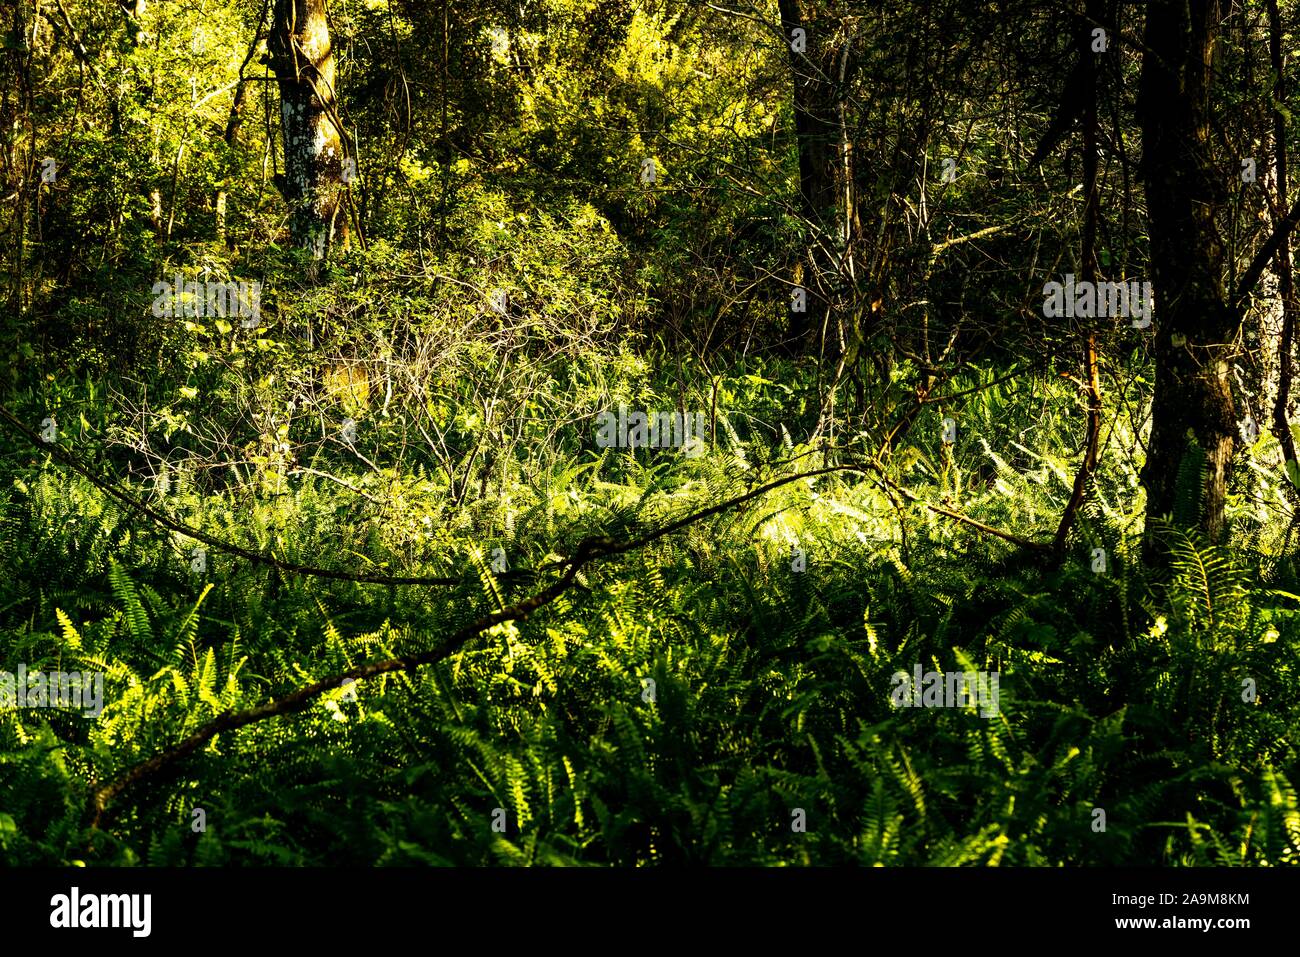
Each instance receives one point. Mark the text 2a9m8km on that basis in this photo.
(1216, 898)
(1142, 900)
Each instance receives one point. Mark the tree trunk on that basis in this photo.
(1088, 63)
(1193, 406)
(1282, 264)
(819, 66)
(303, 61)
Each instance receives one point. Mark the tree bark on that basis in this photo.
(1088, 65)
(303, 61)
(1282, 264)
(1195, 324)
(825, 161)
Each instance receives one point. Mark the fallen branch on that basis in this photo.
(182, 528)
(103, 795)
(957, 516)
(588, 550)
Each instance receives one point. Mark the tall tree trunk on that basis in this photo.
(819, 66)
(303, 61)
(1089, 66)
(1282, 264)
(1195, 325)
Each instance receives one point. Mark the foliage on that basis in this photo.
(424, 402)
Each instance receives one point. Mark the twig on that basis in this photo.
(182, 528)
(103, 795)
(589, 550)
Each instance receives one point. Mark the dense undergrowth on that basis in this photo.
(834, 256)
(687, 702)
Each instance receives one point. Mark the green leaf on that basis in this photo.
(1293, 472)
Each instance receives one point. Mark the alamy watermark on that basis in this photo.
(947, 689)
(191, 299)
(53, 689)
(652, 430)
(1086, 300)
(75, 909)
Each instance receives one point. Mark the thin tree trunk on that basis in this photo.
(821, 151)
(1282, 264)
(1088, 270)
(303, 61)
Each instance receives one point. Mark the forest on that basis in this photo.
(623, 433)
